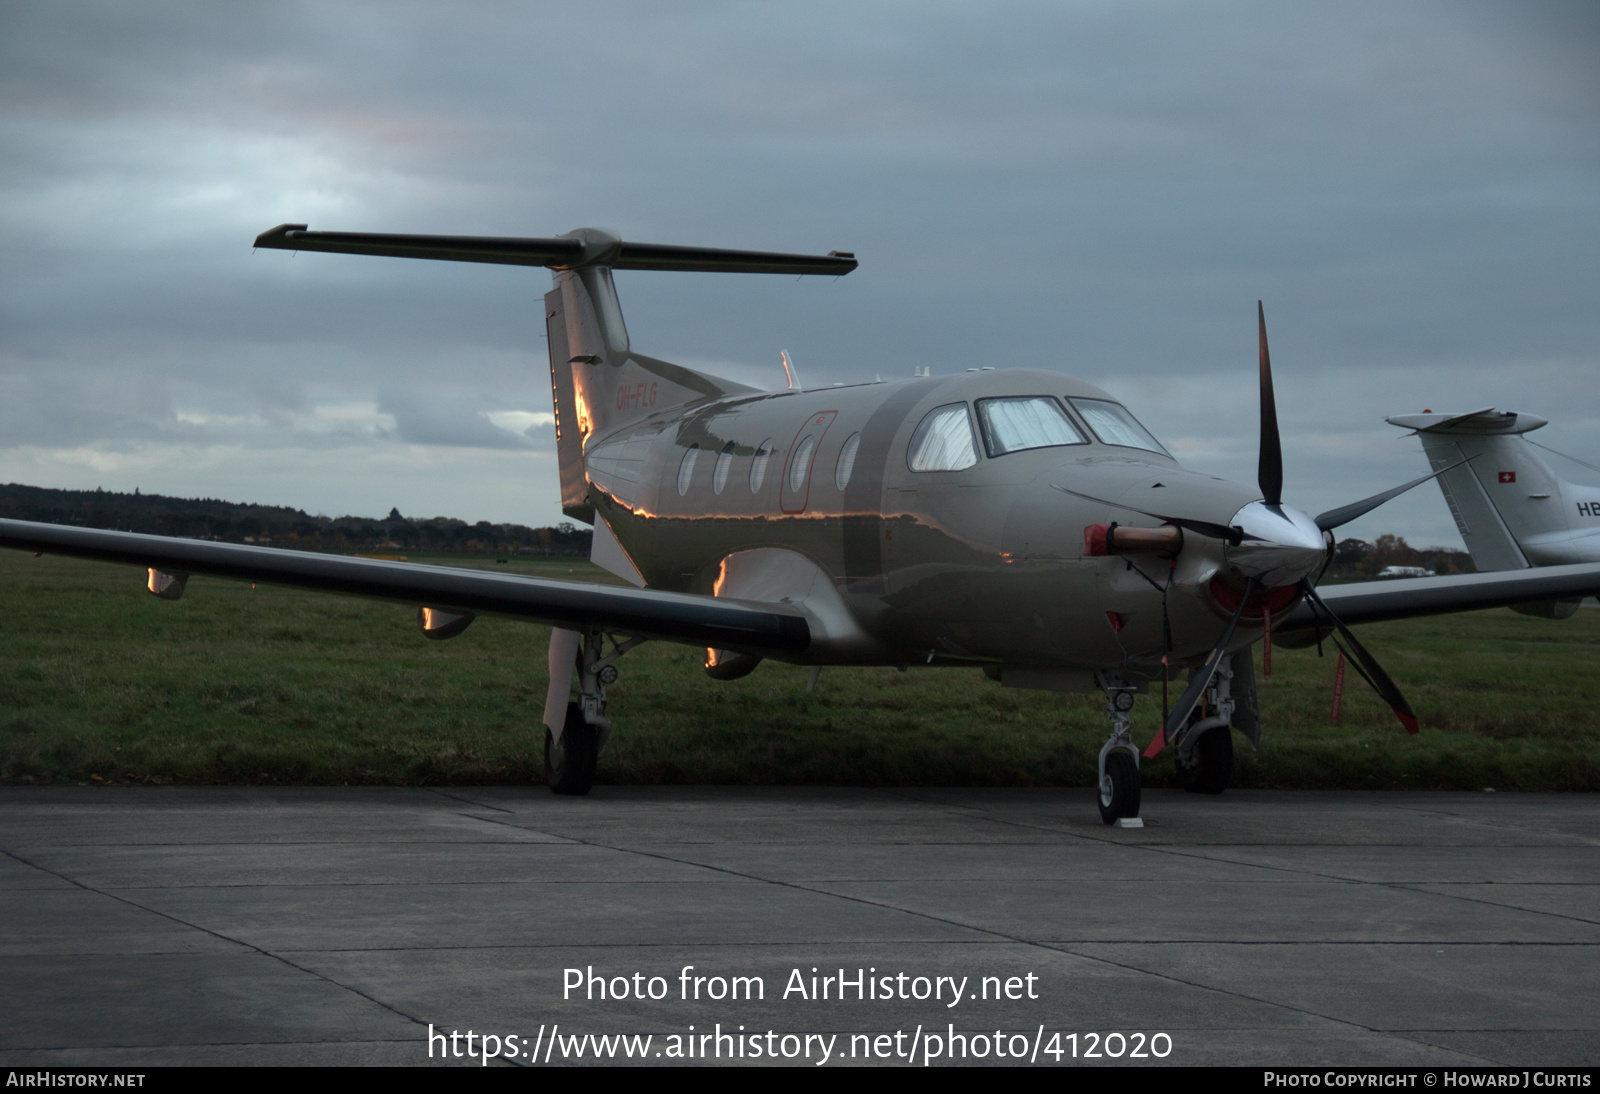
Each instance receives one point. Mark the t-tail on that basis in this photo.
(1512, 508)
(598, 383)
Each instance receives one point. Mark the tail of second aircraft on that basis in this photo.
(1512, 509)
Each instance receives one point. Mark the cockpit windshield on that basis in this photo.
(1016, 424)
(943, 441)
(1113, 424)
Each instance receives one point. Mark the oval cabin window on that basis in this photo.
(847, 461)
(719, 477)
(758, 465)
(686, 469)
(800, 463)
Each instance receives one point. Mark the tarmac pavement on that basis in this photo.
(148, 926)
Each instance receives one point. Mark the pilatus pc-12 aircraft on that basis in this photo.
(1015, 521)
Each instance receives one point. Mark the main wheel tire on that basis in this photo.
(1210, 766)
(569, 766)
(1119, 788)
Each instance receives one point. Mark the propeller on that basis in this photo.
(1333, 518)
(1366, 664)
(1269, 467)
(1267, 562)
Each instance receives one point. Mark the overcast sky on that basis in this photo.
(1102, 189)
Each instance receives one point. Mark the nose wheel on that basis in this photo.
(1119, 788)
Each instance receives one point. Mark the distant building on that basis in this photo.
(1405, 571)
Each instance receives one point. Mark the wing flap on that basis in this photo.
(699, 620)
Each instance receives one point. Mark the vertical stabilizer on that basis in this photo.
(1512, 509)
(569, 443)
(598, 384)
(611, 385)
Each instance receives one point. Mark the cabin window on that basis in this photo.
(719, 477)
(800, 463)
(943, 441)
(847, 461)
(1015, 425)
(686, 469)
(758, 465)
(1113, 424)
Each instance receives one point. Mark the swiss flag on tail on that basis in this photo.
(1508, 476)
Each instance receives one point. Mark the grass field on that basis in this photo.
(101, 682)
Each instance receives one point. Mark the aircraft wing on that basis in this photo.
(1374, 601)
(699, 620)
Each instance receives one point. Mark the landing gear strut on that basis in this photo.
(1203, 750)
(576, 730)
(1119, 756)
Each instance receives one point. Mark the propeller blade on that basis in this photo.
(1346, 513)
(1233, 535)
(1202, 679)
(1269, 470)
(1386, 688)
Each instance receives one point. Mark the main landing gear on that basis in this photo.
(1206, 766)
(576, 730)
(1119, 756)
(1203, 749)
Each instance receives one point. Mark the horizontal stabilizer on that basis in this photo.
(1473, 423)
(559, 253)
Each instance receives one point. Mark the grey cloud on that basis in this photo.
(432, 417)
(1100, 190)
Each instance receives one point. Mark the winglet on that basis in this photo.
(279, 237)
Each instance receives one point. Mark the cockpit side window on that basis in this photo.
(1015, 425)
(1113, 424)
(943, 440)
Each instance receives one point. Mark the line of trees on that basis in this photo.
(279, 526)
(1356, 559)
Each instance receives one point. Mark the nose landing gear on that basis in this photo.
(1119, 758)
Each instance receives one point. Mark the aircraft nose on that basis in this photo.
(1281, 545)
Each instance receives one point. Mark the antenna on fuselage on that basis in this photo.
(789, 371)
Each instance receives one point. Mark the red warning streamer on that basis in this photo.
(1338, 689)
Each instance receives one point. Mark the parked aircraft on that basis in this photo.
(1016, 521)
(1512, 508)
